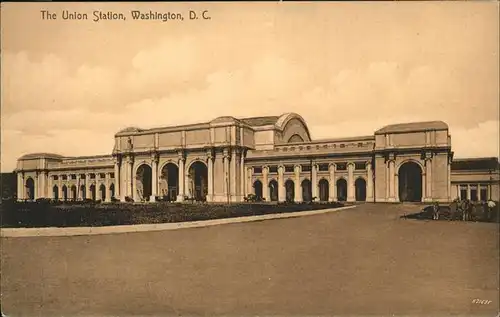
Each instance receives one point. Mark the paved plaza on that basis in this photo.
(360, 261)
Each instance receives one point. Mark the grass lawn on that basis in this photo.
(361, 261)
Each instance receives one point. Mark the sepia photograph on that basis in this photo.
(250, 159)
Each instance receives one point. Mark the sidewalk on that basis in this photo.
(80, 231)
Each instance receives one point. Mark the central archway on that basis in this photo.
(198, 185)
(143, 180)
(169, 181)
(273, 190)
(306, 190)
(360, 189)
(290, 190)
(324, 190)
(341, 189)
(410, 182)
(257, 187)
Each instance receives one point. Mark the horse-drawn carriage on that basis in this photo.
(464, 210)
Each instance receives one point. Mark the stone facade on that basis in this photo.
(273, 157)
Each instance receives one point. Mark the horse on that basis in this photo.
(466, 207)
(454, 208)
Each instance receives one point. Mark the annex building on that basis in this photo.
(273, 157)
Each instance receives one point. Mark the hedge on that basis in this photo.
(89, 214)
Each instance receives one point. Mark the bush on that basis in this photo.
(19, 214)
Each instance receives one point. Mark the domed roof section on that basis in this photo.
(130, 129)
(224, 119)
(32, 156)
(413, 127)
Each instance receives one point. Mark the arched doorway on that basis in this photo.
(273, 190)
(341, 189)
(112, 190)
(257, 186)
(55, 192)
(65, 192)
(410, 182)
(92, 192)
(198, 185)
(143, 178)
(324, 190)
(83, 192)
(290, 190)
(169, 181)
(73, 192)
(102, 192)
(306, 190)
(30, 188)
(360, 188)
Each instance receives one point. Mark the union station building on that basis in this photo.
(272, 157)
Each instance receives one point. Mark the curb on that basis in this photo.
(82, 231)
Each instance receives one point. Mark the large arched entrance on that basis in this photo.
(102, 192)
(341, 189)
(112, 190)
(143, 178)
(360, 189)
(290, 190)
(92, 192)
(273, 190)
(55, 192)
(198, 185)
(30, 188)
(65, 193)
(324, 190)
(410, 182)
(257, 187)
(73, 192)
(306, 190)
(83, 192)
(169, 181)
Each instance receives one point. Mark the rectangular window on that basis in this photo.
(92, 176)
(306, 168)
(102, 175)
(257, 170)
(323, 167)
(360, 165)
(112, 175)
(82, 176)
(289, 169)
(55, 177)
(65, 177)
(273, 169)
(73, 176)
(341, 166)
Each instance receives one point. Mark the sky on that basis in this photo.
(348, 68)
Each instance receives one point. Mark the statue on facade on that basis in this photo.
(129, 143)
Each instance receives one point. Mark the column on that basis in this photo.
(59, 187)
(50, 192)
(78, 186)
(392, 194)
(36, 194)
(232, 175)
(107, 189)
(180, 195)
(314, 182)
(130, 177)
(265, 183)
(350, 182)
(225, 162)
(428, 178)
(243, 191)
(281, 184)
(468, 191)
(249, 181)
(210, 185)
(449, 179)
(154, 178)
(88, 195)
(369, 183)
(20, 185)
(118, 180)
(297, 189)
(332, 192)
